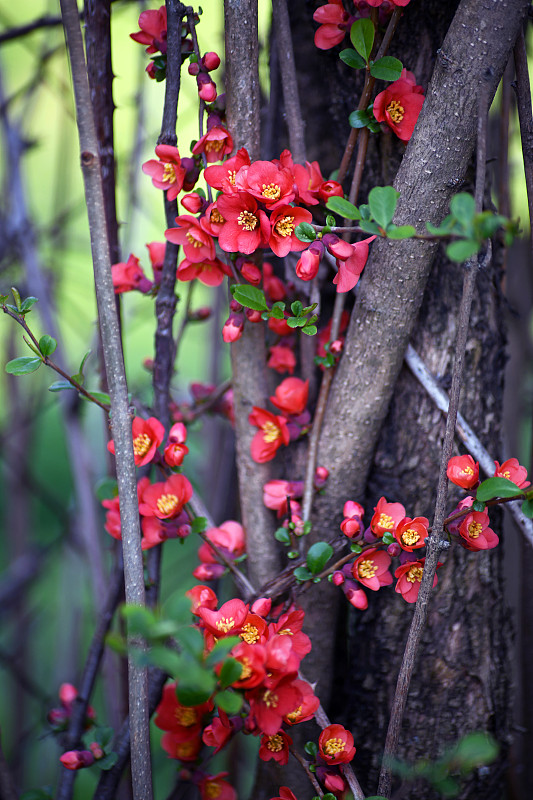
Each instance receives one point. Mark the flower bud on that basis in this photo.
(336, 347)
(200, 314)
(321, 476)
(207, 90)
(193, 68)
(330, 189)
(211, 61)
(262, 606)
(235, 306)
(252, 315)
(339, 247)
(251, 273)
(192, 202)
(232, 330)
(338, 578)
(96, 750)
(394, 549)
(77, 759)
(309, 261)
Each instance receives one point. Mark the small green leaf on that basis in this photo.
(318, 555)
(191, 640)
(462, 250)
(308, 525)
(107, 761)
(293, 554)
(164, 658)
(400, 231)
(343, 207)
(198, 525)
(477, 505)
(282, 535)
(102, 397)
(229, 701)
(305, 232)
(23, 365)
(249, 296)
(302, 574)
(359, 119)
(178, 608)
(27, 304)
(362, 36)
(230, 672)
(310, 330)
(16, 298)
(474, 750)
(221, 650)
(330, 221)
(356, 548)
(527, 508)
(382, 201)
(364, 210)
(311, 749)
(443, 230)
(196, 685)
(387, 538)
(386, 69)
(297, 308)
(106, 489)
(47, 345)
(496, 487)
(139, 620)
(84, 359)
(463, 208)
(352, 58)
(278, 310)
(370, 227)
(59, 386)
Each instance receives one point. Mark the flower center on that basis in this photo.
(474, 529)
(186, 716)
(410, 536)
(275, 743)
(386, 522)
(247, 220)
(270, 699)
(231, 176)
(169, 175)
(250, 634)
(366, 569)
(141, 444)
(211, 790)
(468, 471)
(285, 632)
(506, 474)
(294, 715)
(415, 574)
(167, 503)
(272, 191)
(216, 217)
(216, 144)
(333, 746)
(225, 624)
(246, 670)
(192, 240)
(185, 749)
(285, 226)
(271, 432)
(395, 111)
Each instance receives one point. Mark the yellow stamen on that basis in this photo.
(212, 790)
(167, 503)
(270, 699)
(474, 529)
(275, 743)
(186, 716)
(386, 522)
(169, 175)
(410, 536)
(334, 746)
(216, 144)
(216, 217)
(468, 471)
(271, 432)
(250, 634)
(141, 444)
(272, 191)
(285, 226)
(367, 569)
(415, 574)
(396, 111)
(247, 221)
(225, 624)
(192, 240)
(295, 715)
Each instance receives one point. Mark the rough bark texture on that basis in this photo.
(463, 682)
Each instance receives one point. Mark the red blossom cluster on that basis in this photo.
(274, 430)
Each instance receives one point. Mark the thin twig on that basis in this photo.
(523, 101)
(121, 420)
(289, 80)
(435, 542)
(7, 784)
(305, 766)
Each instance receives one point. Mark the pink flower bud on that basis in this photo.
(67, 694)
(262, 606)
(96, 750)
(336, 347)
(210, 61)
(77, 759)
(330, 189)
(252, 315)
(232, 330)
(192, 202)
(200, 314)
(338, 578)
(235, 306)
(193, 68)
(321, 476)
(351, 527)
(307, 266)
(340, 248)
(207, 90)
(251, 273)
(394, 549)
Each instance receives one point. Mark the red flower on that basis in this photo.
(386, 517)
(272, 433)
(172, 716)
(177, 746)
(284, 222)
(210, 272)
(335, 745)
(309, 262)
(475, 532)
(223, 177)
(512, 470)
(291, 396)
(371, 569)
(156, 251)
(269, 705)
(218, 732)
(153, 25)
(285, 794)
(269, 183)
(409, 578)
(253, 660)
(308, 179)
(227, 621)
(350, 269)
(197, 245)
(213, 787)
(330, 189)
(216, 144)
(202, 597)
(246, 228)
(334, 24)
(306, 710)
(375, 3)
(399, 106)
(276, 747)
(129, 276)
(282, 359)
(167, 173)
(147, 436)
(463, 471)
(176, 449)
(275, 494)
(166, 500)
(411, 534)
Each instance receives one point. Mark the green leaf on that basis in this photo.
(230, 672)
(330, 221)
(178, 608)
(196, 685)
(463, 208)
(296, 322)
(352, 58)
(343, 207)
(305, 232)
(106, 489)
(477, 505)
(293, 554)
(221, 650)
(386, 69)
(462, 250)
(191, 640)
(107, 761)
(362, 36)
(400, 231)
(23, 365)
(117, 643)
(359, 119)
(297, 308)
(249, 296)
(16, 298)
(382, 201)
(47, 345)
(59, 386)
(443, 230)
(139, 620)
(387, 538)
(356, 548)
(84, 359)
(318, 555)
(474, 750)
(527, 508)
(26, 304)
(310, 330)
(102, 397)
(278, 310)
(302, 574)
(282, 535)
(496, 487)
(198, 525)
(229, 701)
(311, 749)
(364, 210)
(370, 227)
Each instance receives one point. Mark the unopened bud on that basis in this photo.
(211, 61)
